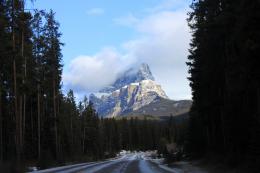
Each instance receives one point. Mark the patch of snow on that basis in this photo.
(117, 91)
(147, 81)
(32, 168)
(135, 84)
(132, 157)
(100, 95)
(124, 152)
(176, 104)
(158, 161)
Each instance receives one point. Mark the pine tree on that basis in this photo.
(52, 75)
(3, 51)
(223, 79)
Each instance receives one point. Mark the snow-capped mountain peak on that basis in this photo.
(132, 90)
(132, 75)
(144, 72)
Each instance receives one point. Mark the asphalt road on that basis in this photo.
(132, 164)
(129, 163)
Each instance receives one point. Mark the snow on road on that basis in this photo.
(98, 168)
(121, 163)
(135, 162)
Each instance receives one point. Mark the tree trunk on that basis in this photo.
(23, 119)
(55, 118)
(20, 125)
(84, 138)
(39, 123)
(71, 131)
(24, 95)
(58, 137)
(18, 154)
(223, 129)
(31, 117)
(23, 115)
(1, 124)
(258, 105)
(17, 116)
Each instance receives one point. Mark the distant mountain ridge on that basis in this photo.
(164, 107)
(133, 92)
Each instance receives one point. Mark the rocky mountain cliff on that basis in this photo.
(132, 92)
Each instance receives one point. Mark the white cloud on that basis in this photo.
(91, 73)
(163, 44)
(95, 11)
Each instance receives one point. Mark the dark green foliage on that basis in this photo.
(30, 75)
(225, 79)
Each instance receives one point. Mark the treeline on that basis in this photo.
(87, 136)
(225, 80)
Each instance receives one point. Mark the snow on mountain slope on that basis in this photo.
(132, 75)
(133, 90)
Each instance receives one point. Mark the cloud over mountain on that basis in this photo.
(162, 41)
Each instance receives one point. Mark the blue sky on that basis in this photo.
(104, 34)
